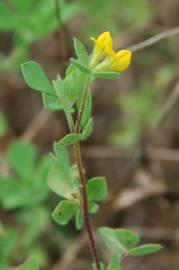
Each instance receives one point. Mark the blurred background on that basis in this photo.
(134, 143)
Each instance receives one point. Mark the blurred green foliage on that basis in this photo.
(119, 15)
(25, 193)
(29, 21)
(141, 110)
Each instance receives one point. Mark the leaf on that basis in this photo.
(8, 241)
(40, 188)
(51, 102)
(145, 249)
(30, 264)
(65, 211)
(79, 219)
(93, 208)
(62, 157)
(81, 52)
(12, 194)
(106, 75)
(8, 20)
(22, 157)
(87, 129)
(59, 181)
(22, 7)
(109, 238)
(70, 139)
(127, 238)
(114, 263)
(62, 93)
(36, 78)
(97, 189)
(81, 67)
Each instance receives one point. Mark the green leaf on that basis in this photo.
(59, 177)
(93, 208)
(81, 52)
(12, 194)
(62, 93)
(36, 78)
(51, 102)
(22, 6)
(70, 139)
(97, 189)
(109, 238)
(79, 219)
(106, 75)
(65, 211)
(59, 181)
(8, 240)
(8, 20)
(81, 67)
(3, 125)
(62, 157)
(145, 249)
(127, 238)
(30, 264)
(22, 158)
(87, 129)
(114, 263)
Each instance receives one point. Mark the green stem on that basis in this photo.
(70, 121)
(83, 102)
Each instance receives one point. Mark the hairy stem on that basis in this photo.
(85, 207)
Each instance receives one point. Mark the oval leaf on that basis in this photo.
(81, 51)
(64, 211)
(70, 139)
(59, 181)
(97, 189)
(127, 238)
(36, 78)
(145, 249)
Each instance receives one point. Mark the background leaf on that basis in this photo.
(22, 157)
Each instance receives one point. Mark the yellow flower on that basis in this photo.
(115, 61)
(121, 60)
(103, 46)
(103, 43)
